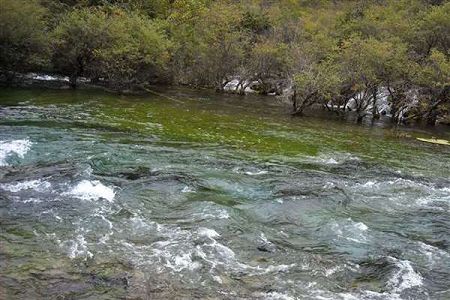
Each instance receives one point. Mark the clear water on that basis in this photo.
(211, 196)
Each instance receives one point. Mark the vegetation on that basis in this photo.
(341, 55)
(23, 43)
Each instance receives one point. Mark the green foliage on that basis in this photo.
(184, 12)
(433, 80)
(211, 45)
(316, 83)
(256, 22)
(269, 58)
(138, 50)
(433, 30)
(370, 62)
(435, 72)
(79, 35)
(23, 43)
(114, 44)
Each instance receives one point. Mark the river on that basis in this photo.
(211, 196)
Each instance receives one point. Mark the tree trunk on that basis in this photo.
(360, 118)
(432, 114)
(221, 86)
(294, 101)
(238, 89)
(432, 118)
(9, 77)
(375, 114)
(73, 80)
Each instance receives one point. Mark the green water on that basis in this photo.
(200, 195)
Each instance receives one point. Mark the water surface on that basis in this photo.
(201, 195)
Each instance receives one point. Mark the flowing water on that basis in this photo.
(214, 197)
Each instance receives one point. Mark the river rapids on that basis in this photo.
(207, 196)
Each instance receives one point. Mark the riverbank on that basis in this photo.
(348, 113)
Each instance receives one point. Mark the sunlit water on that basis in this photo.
(219, 197)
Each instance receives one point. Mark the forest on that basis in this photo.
(340, 55)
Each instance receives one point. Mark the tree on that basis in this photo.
(78, 37)
(432, 31)
(212, 45)
(112, 43)
(316, 83)
(433, 80)
(23, 42)
(138, 51)
(368, 65)
(268, 63)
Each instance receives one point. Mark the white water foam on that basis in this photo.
(188, 189)
(408, 194)
(78, 248)
(182, 250)
(110, 232)
(369, 184)
(329, 272)
(330, 161)
(37, 185)
(18, 147)
(275, 296)
(332, 158)
(211, 212)
(250, 171)
(262, 172)
(32, 200)
(433, 254)
(92, 190)
(210, 233)
(181, 262)
(350, 230)
(437, 199)
(46, 77)
(446, 189)
(405, 277)
(264, 238)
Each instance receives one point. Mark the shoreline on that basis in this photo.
(56, 82)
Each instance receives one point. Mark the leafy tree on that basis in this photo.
(114, 44)
(213, 48)
(370, 64)
(433, 80)
(23, 42)
(432, 31)
(316, 83)
(80, 34)
(138, 51)
(268, 62)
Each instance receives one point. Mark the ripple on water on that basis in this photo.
(405, 194)
(180, 251)
(401, 282)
